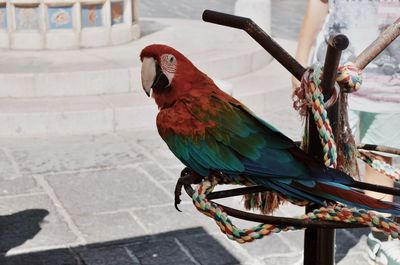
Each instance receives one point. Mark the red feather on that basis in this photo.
(188, 80)
(355, 197)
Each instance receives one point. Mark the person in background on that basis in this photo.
(374, 110)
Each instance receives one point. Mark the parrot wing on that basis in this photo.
(222, 135)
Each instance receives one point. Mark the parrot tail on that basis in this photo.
(321, 192)
(350, 197)
(318, 170)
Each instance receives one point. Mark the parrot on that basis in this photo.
(210, 131)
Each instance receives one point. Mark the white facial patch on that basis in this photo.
(168, 66)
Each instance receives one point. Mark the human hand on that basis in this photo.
(295, 83)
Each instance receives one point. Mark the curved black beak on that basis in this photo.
(161, 81)
(153, 77)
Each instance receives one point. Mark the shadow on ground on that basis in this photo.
(19, 227)
(180, 247)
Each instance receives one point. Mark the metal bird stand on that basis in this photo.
(319, 235)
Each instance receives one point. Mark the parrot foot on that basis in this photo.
(188, 177)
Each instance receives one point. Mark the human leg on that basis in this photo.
(380, 129)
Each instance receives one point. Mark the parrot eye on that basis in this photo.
(168, 63)
(170, 58)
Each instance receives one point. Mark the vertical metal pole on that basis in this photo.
(319, 244)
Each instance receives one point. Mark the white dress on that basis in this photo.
(362, 21)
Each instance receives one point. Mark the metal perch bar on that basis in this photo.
(336, 44)
(376, 47)
(255, 189)
(258, 35)
(278, 52)
(372, 147)
(297, 70)
(265, 219)
(287, 61)
(379, 148)
(236, 192)
(319, 247)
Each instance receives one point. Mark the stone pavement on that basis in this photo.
(108, 199)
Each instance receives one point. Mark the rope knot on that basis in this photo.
(309, 95)
(349, 77)
(309, 90)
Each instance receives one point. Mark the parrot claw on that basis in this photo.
(177, 202)
(178, 192)
(188, 177)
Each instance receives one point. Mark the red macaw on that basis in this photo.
(210, 131)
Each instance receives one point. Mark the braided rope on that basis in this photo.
(309, 95)
(349, 77)
(341, 213)
(337, 213)
(379, 165)
(222, 220)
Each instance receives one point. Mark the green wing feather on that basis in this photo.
(237, 143)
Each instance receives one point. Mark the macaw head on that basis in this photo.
(166, 73)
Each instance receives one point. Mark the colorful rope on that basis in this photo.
(349, 77)
(222, 220)
(337, 213)
(340, 213)
(309, 94)
(379, 165)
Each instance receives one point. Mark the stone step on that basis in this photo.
(109, 113)
(34, 74)
(266, 91)
(114, 112)
(105, 113)
(76, 115)
(79, 114)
